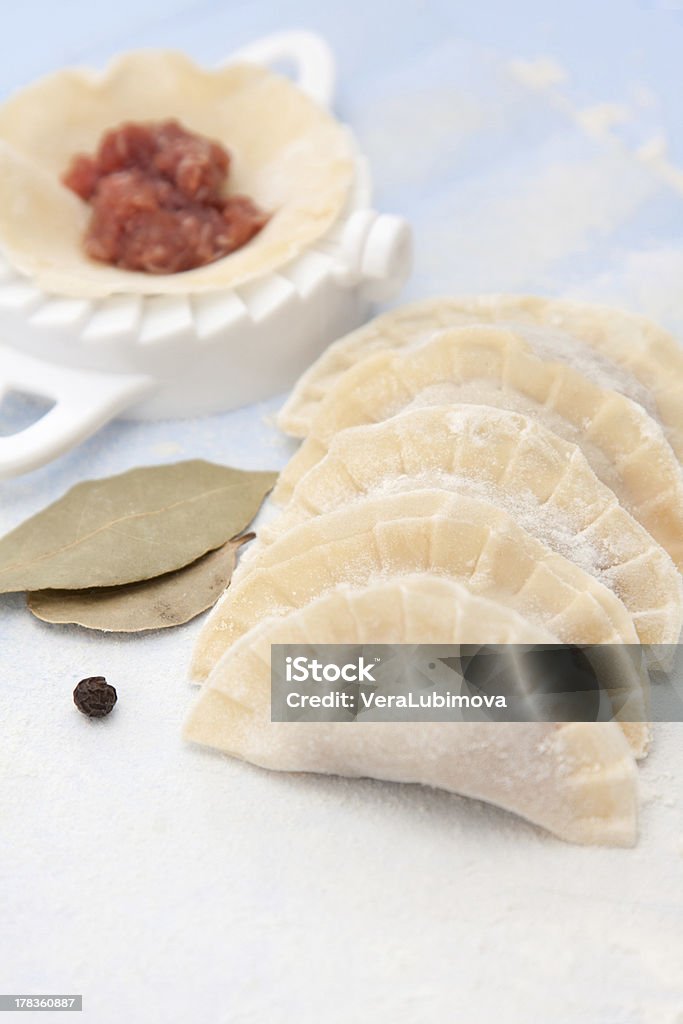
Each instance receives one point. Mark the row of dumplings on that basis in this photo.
(487, 470)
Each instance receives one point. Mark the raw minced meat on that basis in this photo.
(158, 200)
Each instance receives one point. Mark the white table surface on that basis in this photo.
(169, 884)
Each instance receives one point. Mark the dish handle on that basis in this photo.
(309, 53)
(83, 402)
(376, 252)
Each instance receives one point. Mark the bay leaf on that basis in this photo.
(159, 603)
(130, 527)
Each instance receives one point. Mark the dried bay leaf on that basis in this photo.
(168, 600)
(131, 527)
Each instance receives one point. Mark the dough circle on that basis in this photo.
(289, 155)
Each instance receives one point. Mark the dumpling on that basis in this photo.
(298, 164)
(484, 366)
(576, 780)
(512, 461)
(419, 531)
(412, 608)
(619, 350)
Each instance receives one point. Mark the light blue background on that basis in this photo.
(607, 45)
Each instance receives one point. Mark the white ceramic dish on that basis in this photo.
(165, 356)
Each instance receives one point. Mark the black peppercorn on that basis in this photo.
(94, 697)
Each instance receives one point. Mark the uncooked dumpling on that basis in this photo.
(289, 155)
(619, 350)
(419, 531)
(484, 366)
(576, 780)
(515, 463)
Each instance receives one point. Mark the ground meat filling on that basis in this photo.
(158, 200)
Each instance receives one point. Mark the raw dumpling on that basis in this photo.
(620, 351)
(512, 461)
(419, 531)
(576, 780)
(289, 155)
(484, 366)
